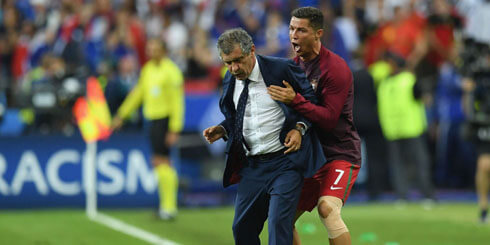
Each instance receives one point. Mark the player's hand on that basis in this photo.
(117, 123)
(292, 141)
(171, 138)
(213, 133)
(285, 95)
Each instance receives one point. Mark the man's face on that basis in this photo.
(302, 36)
(239, 64)
(154, 49)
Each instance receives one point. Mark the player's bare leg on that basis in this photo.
(482, 184)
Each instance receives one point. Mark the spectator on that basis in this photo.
(333, 38)
(176, 37)
(402, 34)
(119, 87)
(199, 56)
(273, 39)
(454, 156)
(160, 90)
(403, 122)
(365, 113)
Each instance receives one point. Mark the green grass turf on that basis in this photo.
(382, 224)
(56, 227)
(445, 224)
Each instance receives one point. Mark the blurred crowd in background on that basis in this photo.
(48, 48)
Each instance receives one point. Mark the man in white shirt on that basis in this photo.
(269, 148)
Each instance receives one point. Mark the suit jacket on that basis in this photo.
(309, 158)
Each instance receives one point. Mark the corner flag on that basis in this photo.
(92, 113)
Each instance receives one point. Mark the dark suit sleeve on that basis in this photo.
(226, 126)
(301, 84)
(227, 122)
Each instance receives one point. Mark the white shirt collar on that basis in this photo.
(255, 75)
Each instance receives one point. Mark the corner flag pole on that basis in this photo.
(90, 179)
(94, 120)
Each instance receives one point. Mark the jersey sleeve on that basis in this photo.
(334, 89)
(176, 100)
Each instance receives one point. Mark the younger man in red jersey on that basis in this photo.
(331, 79)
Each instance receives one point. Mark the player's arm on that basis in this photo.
(130, 104)
(176, 94)
(326, 113)
(299, 83)
(176, 101)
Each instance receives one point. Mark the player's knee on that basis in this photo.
(329, 210)
(324, 208)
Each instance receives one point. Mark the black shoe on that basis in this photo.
(483, 217)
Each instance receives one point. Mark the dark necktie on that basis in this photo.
(240, 112)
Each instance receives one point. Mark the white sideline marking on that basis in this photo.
(120, 226)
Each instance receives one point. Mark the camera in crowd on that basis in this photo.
(476, 66)
(57, 93)
(475, 60)
(52, 94)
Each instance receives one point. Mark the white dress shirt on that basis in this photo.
(263, 119)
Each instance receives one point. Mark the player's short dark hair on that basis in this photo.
(314, 15)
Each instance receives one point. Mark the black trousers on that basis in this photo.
(409, 157)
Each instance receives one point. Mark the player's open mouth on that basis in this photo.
(296, 47)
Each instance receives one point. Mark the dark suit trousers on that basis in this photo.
(268, 189)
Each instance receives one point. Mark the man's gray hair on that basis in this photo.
(229, 38)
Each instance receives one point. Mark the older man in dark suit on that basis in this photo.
(269, 146)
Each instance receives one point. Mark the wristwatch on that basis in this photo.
(301, 129)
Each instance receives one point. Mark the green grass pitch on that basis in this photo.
(383, 224)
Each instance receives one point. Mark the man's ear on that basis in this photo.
(319, 33)
(252, 50)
